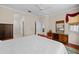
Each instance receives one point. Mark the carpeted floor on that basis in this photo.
(72, 50)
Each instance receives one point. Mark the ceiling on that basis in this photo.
(40, 9)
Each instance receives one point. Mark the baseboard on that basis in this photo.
(73, 46)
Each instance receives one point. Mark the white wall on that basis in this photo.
(7, 16)
(49, 21)
(61, 16)
(74, 38)
(18, 25)
(46, 22)
(74, 35)
(29, 24)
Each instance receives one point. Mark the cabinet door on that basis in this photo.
(55, 36)
(63, 38)
(1, 32)
(8, 31)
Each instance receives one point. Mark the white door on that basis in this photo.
(18, 25)
(38, 27)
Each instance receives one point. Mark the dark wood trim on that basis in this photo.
(49, 37)
(61, 21)
(73, 46)
(5, 24)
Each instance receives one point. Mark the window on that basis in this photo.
(74, 28)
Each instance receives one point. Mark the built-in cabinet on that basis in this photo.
(6, 31)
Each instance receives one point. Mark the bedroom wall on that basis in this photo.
(7, 16)
(49, 21)
(61, 16)
(46, 21)
(50, 24)
(29, 24)
(73, 37)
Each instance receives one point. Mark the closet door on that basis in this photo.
(38, 26)
(18, 25)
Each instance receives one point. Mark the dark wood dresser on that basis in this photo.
(60, 37)
(63, 38)
(6, 31)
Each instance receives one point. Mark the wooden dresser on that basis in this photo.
(60, 37)
(63, 38)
